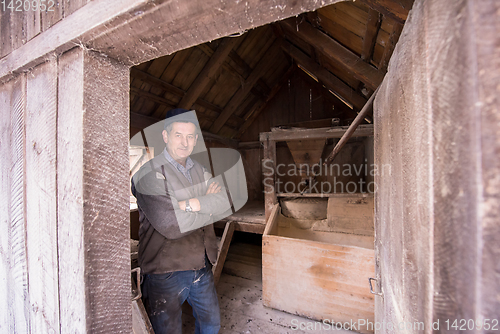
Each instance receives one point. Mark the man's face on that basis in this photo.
(181, 140)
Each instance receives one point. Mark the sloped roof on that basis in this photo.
(346, 47)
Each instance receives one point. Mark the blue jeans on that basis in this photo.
(164, 295)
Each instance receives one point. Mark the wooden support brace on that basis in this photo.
(227, 236)
(347, 135)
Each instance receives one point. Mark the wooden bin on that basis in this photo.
(317, 274)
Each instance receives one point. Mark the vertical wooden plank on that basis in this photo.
(33, 23)
(71, 6)
(41, 223)
(404, 199)
(5, 32)
(18, 285)
(269, 175)
(18, 29)
(106, 194)
(5, 163)
(52, 14)
(70, 238)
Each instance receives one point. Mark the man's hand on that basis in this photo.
(213, 188)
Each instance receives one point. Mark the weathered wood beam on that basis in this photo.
(140, 121)
(208, 72)
(336, 52)
(395, 9)
(352, 128)
(260, 69)
(363, 130)
(153, 97)
(99, 26)
(154, 81)
(151, 79)
(238, 68)
(370, 38)
(389, 48)
(252, 115)
(325, 76)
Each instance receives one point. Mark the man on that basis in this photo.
(178, 201)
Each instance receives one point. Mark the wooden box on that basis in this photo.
(316, 273)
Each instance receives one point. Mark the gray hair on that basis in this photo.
(169, 127)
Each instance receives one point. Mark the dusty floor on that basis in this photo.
(240, 300)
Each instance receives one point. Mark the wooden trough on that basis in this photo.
(318, 250)
(318, 272)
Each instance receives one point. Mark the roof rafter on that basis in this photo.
(336, 52)
(240, 68)
(151, 79)
(262, 66)
(391, 44)
(325, 76)
(370, 37)
(394, 9)
(208, 72)
(252, 115)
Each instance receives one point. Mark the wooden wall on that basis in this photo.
(21, 23)
(300, 99)
(65, 250)
(438, 212)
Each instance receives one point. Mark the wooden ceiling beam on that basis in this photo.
(146, 77)
(252, 115)
(370, 37)
(153, 97)
(241, 69)
(389, 48)
(154, 81)
(325, 76)
(395, 9)
(260, 69)
(208, 72)
(169, 104)
(336, 52)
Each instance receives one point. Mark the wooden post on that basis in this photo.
(269, 173)
(41, 218)
(13, 260)
(106, 193)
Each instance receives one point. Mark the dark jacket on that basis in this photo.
(171, 239)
